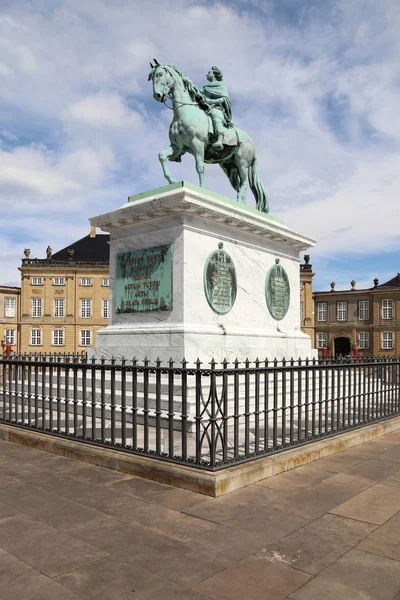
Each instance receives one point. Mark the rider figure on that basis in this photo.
(217, 105)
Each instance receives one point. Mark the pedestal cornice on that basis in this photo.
(179, 200)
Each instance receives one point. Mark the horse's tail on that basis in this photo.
(256, 186)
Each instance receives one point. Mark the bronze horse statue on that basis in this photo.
(191, 131)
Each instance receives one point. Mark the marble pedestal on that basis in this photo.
(194, 221)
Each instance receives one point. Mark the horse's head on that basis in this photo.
(163, 81)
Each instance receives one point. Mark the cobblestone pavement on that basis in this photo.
(330, 530)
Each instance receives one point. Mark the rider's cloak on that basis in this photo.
(218, 89)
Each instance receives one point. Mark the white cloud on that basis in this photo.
(104, 110)
(8, 135)
(28, 169)
(361, 217)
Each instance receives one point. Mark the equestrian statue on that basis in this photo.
(202, 125)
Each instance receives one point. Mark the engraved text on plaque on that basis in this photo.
(144, 280)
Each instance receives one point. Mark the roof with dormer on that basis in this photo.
(89, 249)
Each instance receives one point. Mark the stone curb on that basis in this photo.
(213, 484)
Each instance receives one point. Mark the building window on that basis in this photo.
(58, 337)
(58, 307)
(363, 310)
(342, 311)
(387, 309)
(322, 340)
(321, 311)
(37, 306)
(363, 340)
(301, 312)
(387, 340)
(86, 309)
(105, 282)
(85, 337)
(10, 336)
(58, 280)
(36, 280)
(9, 307)
(104, 309)
(36, 337)
(86, 281)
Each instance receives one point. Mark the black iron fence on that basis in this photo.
(210, 416)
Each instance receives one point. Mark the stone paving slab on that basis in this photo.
(327, 530)
(318, 544)
(50, 551)
(355, 576)
(253, 579)
(47, 507)
(376, 505)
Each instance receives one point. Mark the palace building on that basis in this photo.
(9, 316)
(65, 296)
(365, 320)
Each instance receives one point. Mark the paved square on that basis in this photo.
(331, 530)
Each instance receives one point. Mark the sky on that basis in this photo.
(316, 84)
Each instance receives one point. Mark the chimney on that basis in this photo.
(92, 231)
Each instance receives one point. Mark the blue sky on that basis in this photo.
(316, 83)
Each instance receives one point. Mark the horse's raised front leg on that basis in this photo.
(163, 157)
(198, 153)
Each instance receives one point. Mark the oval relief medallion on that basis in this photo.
(277, 291)
(220, 285)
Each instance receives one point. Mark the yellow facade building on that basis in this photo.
(9, 316)
(65, 297)
(366, 319)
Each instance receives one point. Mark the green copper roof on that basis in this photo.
(196, 188)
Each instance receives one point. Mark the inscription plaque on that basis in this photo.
(220, 285)
(144, 280)
(277, 291)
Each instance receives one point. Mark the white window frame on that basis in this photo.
(341, 310)
(58, 307)
(301, 311)
(85, 310)
(36, 307)
(9, 311)
(387, 340)
(58, 337)
(86, 281)
(363, 340)
(36, 337)
(58, 280)
(105, 309)
(322, 311)
(105, 282)
(85, 336)
(363, 310)
(36, 280)
(322, 338)
(9, 336)
(387, 308)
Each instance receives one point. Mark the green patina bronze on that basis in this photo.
(220, 284)
(277, 291)
(144, 280)
(202, 125)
